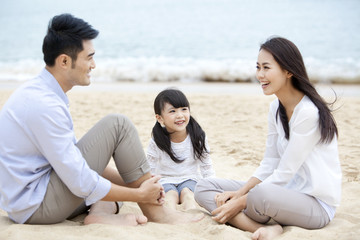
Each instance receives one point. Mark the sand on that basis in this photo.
(234, 116)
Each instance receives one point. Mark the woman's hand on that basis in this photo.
(222, 198)
(151, 191)
(229, 209)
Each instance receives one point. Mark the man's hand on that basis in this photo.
(152, 191)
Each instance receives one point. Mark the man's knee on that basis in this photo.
(117, 118)
(120, 121)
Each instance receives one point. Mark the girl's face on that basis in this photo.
(174, 119)
(272, 77)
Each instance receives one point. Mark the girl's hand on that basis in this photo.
(222, 198)
(151, 191)
(229, 210)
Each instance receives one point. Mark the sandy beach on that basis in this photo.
(234, 117)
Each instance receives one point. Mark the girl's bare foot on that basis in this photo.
(171, 216)
(267, 232)
(171, 199)
(187, 200)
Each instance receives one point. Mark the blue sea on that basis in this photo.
(188, 40)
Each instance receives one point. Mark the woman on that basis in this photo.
(298, 182)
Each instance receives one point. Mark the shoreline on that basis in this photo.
(246, 89)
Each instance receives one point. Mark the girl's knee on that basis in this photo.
(186, 190)
(186, 193)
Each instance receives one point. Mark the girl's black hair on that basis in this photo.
(161, 136)
(288, 56)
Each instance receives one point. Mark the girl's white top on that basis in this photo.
(302, 163)
(172, 172)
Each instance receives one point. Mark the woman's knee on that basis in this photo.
(204, 194)
(201, 188)
(262, 192)
(258, 201)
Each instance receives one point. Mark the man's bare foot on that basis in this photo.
(115, 219)
(104, 213)
(267, 233)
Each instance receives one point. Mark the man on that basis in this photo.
(46, 175)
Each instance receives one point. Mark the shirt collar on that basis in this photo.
(54, 85)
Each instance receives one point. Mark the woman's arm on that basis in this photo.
(222, 198)
(304, 135)
(271, 156)
(227, 209)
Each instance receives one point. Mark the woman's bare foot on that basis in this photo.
(267, 233)
(104, 213)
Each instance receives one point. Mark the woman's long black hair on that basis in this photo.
(161, 136)
(288, 56)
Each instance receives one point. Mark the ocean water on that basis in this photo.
(188, 40)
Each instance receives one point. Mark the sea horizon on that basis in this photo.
(188, 41)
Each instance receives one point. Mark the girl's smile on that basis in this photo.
(181, 122)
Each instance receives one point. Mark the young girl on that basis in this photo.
(178, 149)
(299, 179)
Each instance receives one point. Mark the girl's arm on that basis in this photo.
(206, 167)
(152, 156)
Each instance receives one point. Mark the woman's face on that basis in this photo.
(272, 77)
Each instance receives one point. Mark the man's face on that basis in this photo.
(79, 73)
